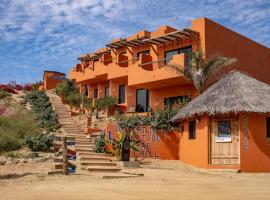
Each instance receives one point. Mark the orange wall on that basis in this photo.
(162, 146)
(50, 83)
(253, 57)
(256, 158)
(156, 96)
(195, 151)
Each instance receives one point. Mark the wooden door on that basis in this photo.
(224, 141)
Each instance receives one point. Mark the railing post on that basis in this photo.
(65, 155)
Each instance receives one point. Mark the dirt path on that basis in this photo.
(162, 180)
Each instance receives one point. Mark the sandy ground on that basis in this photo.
(161, 180)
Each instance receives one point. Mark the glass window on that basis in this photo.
(110, 135)
(224, 129)
(142, 100)
(95, 93)
(86, 90)
(170, 101)
(107, 91)
(170, 54)
(268, 127)
(122, 93)
(192, 130)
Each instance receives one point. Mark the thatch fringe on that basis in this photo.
(235, 93)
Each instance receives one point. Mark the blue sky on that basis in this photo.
(38, 35)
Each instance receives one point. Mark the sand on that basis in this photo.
(161, 180)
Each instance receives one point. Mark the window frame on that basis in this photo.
(120, 100)
(95, 93)
(107, 88)
(268, 127)
(179, 51)
(192, 136)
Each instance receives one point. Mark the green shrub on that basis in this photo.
(42, 110)
(14, 128)
(100, 143)
(39, 142)
(65, 88)
(159, 120)
(4, 94)
(73, 99)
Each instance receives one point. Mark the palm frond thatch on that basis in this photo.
(235, 93)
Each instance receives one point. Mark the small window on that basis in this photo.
(224, 129)
(86, 90)
(192, 130)
(122, 93)
(107, 91)
(169, 54)
(96, 93)
(110, 135)
(268, 127)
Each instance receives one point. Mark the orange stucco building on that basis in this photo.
(51, 79)
(133, 69)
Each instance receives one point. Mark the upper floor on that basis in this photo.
(141, 57)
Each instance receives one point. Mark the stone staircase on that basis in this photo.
(87, 157)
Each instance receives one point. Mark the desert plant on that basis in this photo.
(39, 142)
(13, 129)
(4, 94)
(42, 110)
(200, 69)
(100, 143)
(73, 99)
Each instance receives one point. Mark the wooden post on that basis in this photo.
(65, 156)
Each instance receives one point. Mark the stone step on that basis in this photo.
(77, 143)
(93, 157)
(85, 146)
(103, 168)
(93, 154)
(84, 149)
(97, 163)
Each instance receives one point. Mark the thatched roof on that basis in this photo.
(234, 93)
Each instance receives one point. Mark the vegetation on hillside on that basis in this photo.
(42, 110)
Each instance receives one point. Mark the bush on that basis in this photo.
(159, 120)
(65, 88)
(13, 129)
(39, 142)
(73, 99)
(4, 94)
(100, 143)
(42, 109)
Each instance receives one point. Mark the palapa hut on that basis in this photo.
(228, 126)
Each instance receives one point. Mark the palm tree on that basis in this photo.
(200, 69)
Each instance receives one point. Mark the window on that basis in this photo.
(224, 129)
(170, 101)
(169, 54)
(110, 135)
(95, 93)
(122, 93)
(142, 100)
(268, 127)
(86, 90)
(107, 91)
(147, 52)
(192, 130)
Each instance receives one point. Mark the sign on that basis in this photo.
(223, 139)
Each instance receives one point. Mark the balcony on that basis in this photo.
(154, 74)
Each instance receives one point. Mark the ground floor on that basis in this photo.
(139, 98)
(239, 142)
(161, 180)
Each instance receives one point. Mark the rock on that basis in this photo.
(23, 160)
(16, 161)
(9, 161)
